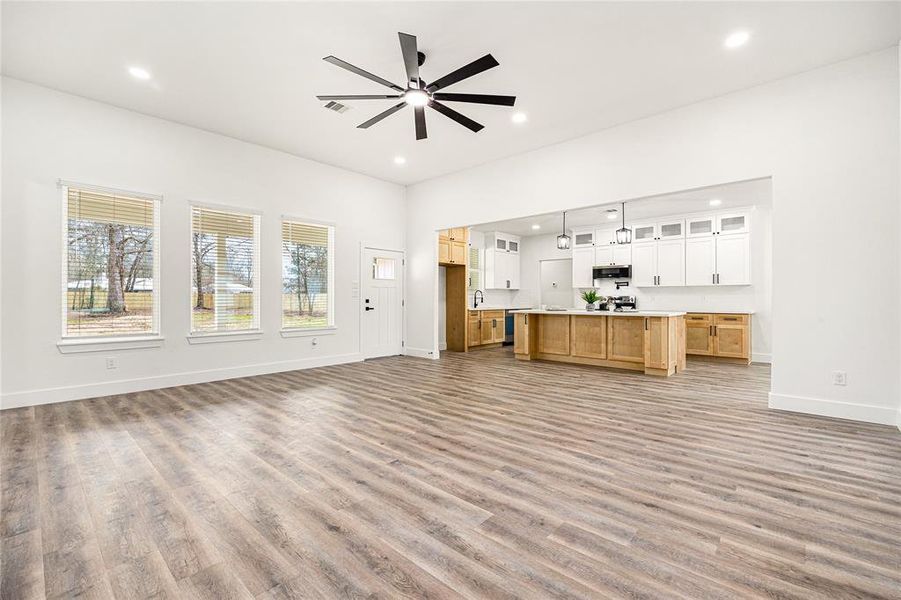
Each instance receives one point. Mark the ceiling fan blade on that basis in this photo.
(476, 98)
(361, 97)
(346, 65)
(411, 58)
(473, 68)
(381, 116)
(419, 118)
(452, 114)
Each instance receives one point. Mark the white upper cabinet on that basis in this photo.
(583, 262)
(605, 236)
(700, 259)
(603, 256)
(502, 269)
(732, 223)
(671, 263)
(685, 250)
(622, 254)
(733, 259)
(644, 265)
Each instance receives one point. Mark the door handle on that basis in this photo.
(645, 323)
(369, 308)
(713, 278)
(710, 332)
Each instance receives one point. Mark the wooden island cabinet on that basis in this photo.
(652, 342)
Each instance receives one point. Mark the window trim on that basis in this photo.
(256, 332)
(331, 325)
(118, 340)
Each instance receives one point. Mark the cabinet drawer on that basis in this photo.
(491, 314)
(700, 318)
(736, 319)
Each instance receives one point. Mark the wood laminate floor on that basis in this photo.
(475, 476)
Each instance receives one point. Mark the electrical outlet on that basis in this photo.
(839, 378)
(112, 362)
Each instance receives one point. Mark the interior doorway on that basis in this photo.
(556, 282)
(382, 302)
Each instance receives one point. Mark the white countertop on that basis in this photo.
(481, 307)
(603, 313)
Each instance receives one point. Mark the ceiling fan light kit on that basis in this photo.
(420, 94)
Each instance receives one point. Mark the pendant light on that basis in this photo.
(623, 235)
(563, 239)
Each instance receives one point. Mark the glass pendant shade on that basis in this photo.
(563, 239)
(623, 234)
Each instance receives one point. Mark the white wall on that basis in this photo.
(49, 135)
(745, 298)
(830, 140)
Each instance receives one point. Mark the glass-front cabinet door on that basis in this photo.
(729, 223)
(644, 232)
(700, 226)
(583, 238)
(674, 229)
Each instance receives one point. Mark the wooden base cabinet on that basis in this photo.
(699, 334)
(725, 336)
(486, 327)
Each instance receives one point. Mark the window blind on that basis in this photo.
(307, 275)
(224, 270)
(110, 260)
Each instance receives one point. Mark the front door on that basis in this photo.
(382, 299)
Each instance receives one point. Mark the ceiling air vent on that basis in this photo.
(337, 107)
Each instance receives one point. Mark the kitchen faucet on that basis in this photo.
(475, 298)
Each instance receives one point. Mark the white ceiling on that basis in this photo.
(251, 70)
(756, 192)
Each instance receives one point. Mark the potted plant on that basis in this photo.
(590, 297)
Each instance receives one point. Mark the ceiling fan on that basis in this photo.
(420, 94)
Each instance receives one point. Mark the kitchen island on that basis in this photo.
(649, 341)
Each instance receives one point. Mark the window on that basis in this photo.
(383, 268)
(475, 269)
(308, 274)
(110, 263)
(225, 258)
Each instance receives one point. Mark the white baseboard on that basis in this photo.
(832, 408)
(421, 353)
(442, 346)
(762, 357)
(125, 386)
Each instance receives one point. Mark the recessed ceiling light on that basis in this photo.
(139, 73)
(739, 38)
(716, 202)
(400, 160)
(612, 215)
(519, 117)
(536, 227)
